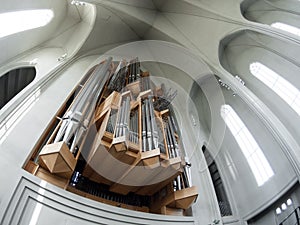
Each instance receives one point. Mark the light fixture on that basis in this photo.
(223, 84)
(289, 202)
(283, 206)
(278, 211)
(193, 120)
(77, 3)
(62, 57)
(240, 80)
(33, 62)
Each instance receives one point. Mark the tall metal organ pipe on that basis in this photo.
(77, 119)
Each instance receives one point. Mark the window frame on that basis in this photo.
(255, 157)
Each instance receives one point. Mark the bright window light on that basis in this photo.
(288, 92)
(14, 22)
(257, 161)
(286, 27)
(278, 211)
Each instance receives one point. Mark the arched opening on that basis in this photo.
(14, 81)
(270, 12)
(220, 191)
(239, 53)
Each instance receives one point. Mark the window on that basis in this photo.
(11, 83)
(289, 93)
(221, 194)
(286, 27)
(14, 22)
(14, 81)
(257, 161)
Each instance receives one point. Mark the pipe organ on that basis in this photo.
(118, 142)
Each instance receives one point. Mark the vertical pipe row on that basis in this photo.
(134, 70)
(150, 131)
(77, 120)
(123, 118)
(144, 131)
(187, 177)
(133, 133)
(172, 144)
(111, 121)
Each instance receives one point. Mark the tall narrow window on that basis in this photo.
(257, 161)
(287, 28)
(288, 92)
(221, 194)
(14, 22)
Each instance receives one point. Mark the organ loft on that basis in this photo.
(116, 140)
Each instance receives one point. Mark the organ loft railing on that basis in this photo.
(118, 142)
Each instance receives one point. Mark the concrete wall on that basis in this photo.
(198, 25)
(249, 198)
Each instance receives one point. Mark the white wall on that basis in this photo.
(239, 179)
(199, 25)
(248, 47)
(16, 44)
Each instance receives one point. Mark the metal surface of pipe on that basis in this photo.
(126, 116)
(173, 138)
(148, 126)
(76, 121)
(153, 123)
(144, 129)
(170, 143)
(187, 175)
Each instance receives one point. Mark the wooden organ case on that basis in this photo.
(117, 142)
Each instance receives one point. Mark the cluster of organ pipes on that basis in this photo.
(118, 82)
(134, 70)
(149, 126)
(163, 102)
(170, 138)
(129, 72)
(77, 119)
(183, 180)
(134, 127)
(112, 121)
(140, 129)
(123, 118)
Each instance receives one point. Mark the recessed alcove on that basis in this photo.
(271, 11)
(14, 81)
(240, 50)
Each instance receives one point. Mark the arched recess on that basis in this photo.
(12, 82)
(234, 166)
(239, 50)
(271, 11)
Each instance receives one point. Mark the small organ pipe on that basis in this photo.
(153, 123)
(148, 126)
(144, 129)
(173, 139)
